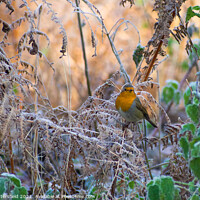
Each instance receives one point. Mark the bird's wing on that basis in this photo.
(140, 107)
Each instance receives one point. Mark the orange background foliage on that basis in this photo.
(69, 70)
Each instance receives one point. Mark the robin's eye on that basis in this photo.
(131, 90)
(125, 90)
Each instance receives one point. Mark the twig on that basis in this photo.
(84, 51)
(159, 123)
(36, 104)
(145, 154)
(159, 165)
(153, 59)
(123, 22)
(122, 69)
(11, 155)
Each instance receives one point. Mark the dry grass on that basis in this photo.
(51, 132)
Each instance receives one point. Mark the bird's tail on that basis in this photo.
(151, 122)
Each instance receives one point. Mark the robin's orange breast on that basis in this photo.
(124, 101)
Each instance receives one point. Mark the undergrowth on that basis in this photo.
(49, 152)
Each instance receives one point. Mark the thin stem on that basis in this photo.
(36, 105)
(11, 155)
(186, 184)
(160, 121)
(146, 158)
(159, 165)
(84, 51)
(122, 69)
(145, 135)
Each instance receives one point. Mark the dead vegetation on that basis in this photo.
(75, 151)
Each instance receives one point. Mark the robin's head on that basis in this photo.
(128, 88)
(125, 98)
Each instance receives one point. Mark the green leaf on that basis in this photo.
(195, 100)
(2, 185)
(192, 185)
(177, 195)
(195, 147)
(170, 48)
(167, 188)
(23, 191)
(190, 13)
(195, 197)
(15, 194)
(131, 184)
(184, 65)
(15, 90)
(197, 47)
(153, 192)
(150, 183)
(173, 83)
(19, 193)
(138, 54)
(195, 151)
(168, 93)
(194, 166)
(157, 181)
(196, 7)
(185, 146)
(13, 178)
(187, 93)
(194, 141)
(192, 111)
(198, 132)
(188, 127)
(186, 97)
(177, 97)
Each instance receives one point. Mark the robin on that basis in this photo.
(130, 107)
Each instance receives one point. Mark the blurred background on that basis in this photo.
(69, 70)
